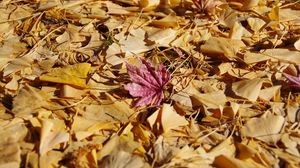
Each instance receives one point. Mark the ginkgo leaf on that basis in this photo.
(147, 83)
(216, 46)
(284, 55)
(248, 89)
(71, 74)
(166, 117)
(207, 6)
(170, 119)
(38, 99)
(265, 128)
(134, 43)
(50, 138)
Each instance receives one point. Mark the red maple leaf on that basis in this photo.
(147, 83)
(295, 80)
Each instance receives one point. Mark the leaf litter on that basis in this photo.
(150, 83)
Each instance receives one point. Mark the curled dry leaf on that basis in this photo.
(147, 83)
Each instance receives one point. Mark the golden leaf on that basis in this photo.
(71, 74)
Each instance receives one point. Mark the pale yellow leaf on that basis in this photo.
(291, 146)
(269, 93)
(112, 110)
(288, 14)
(134, 43)
(238, 31)
(112, 54)
(284, 55)
(51, 159)
(18, 64)
(50, 138)
(292, 111)
(13, 84)
(38, 99)
(248, 89)
(153, 119)
(117, 143)
(183, 97)
(184, 39)
(255, 23)
(72, 92)
(251, 57)
(115, 8)
(266, 128)
(222, 46)
(163, 37)
(297, 45)
(9, 49)
(169, 21)
(170, 119)
(213, 100)
(120, 158)
(226, 148)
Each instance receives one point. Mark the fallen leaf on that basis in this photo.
(270, 93)
(148, 4)
(297, 45)
(170, 21)
(222, 46)
(115, 8)
(208, 6)
(266, 128)
(251, 58)
(38, 99)
(50, 159)
(111, 110)
(134, 43)
(147, 83)
(213, 100)
(284, 55)
(50, 138)
(163, 37)
(248, 89)
(167, 118)
(223, 161)
(72, 92)
(170, 119)
(71, 74)
(120, 158)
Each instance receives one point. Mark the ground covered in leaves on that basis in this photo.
(135, 84)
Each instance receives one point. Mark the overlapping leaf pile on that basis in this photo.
(144, 83)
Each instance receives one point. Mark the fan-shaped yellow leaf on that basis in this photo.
(70, 74)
